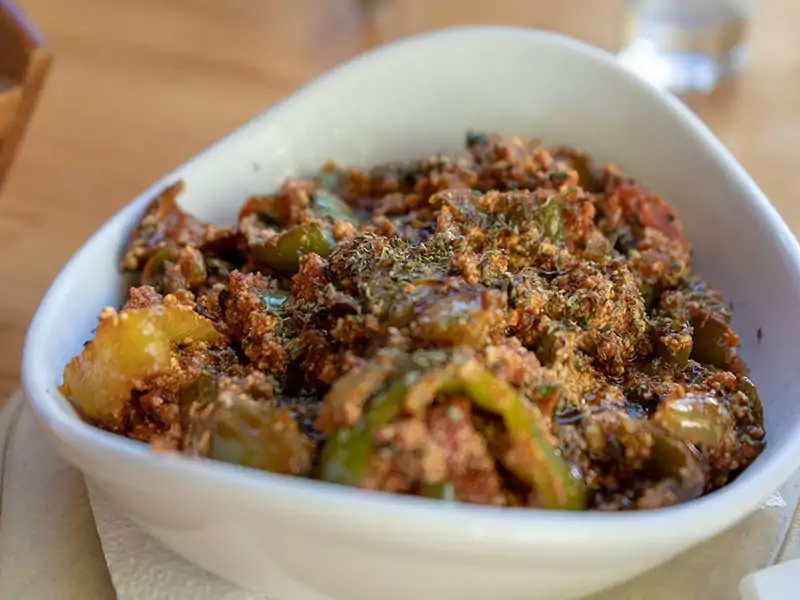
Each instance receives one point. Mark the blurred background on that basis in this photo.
(139, 86)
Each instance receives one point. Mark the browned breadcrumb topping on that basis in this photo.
(330, 322)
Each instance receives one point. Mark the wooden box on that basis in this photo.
(24, 63)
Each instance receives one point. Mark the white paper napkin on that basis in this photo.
(144, 569)
(48, 544)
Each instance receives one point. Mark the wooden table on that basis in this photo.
(140, 86)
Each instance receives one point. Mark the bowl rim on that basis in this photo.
(713, 512)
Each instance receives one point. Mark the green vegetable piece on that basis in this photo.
(548, 215)
(676, 461)
(695, 419)
(153, 271)
(456, 319)
(440, 491)
(283, 252)
(354, 389)
(202, 391)
(191, 272)
(347, 454)
(331, 205)
(260, 437)
(580, 162)
(675, 348)
(750, 390)
(275, 300)
(711, 340)
(545, 349)
(535, 460)
(266, 208)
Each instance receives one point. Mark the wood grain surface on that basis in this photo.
(138, 87)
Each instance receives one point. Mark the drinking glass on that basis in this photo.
(685, 45)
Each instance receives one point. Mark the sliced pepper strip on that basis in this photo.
(351, 391)
(533, 459)
(347, 454)
(283, 252)
(260, 437)
(679, 466)
(153, 271)
(328, 204)
(440, 491)
(549, 217)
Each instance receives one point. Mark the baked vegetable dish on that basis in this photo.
(508, 326)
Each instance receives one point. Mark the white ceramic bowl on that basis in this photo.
(296, 539)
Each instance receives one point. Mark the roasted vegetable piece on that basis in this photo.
(694, 318)
(127, 348)
(267, 208)
(531, 455)
(549, 217)
(328, 204)
(200, 392)
(350, 392)
(347, 453)
(261, 437)
(460, 318)
(712, 340)
(548, 343)
(675, 348)
(172, 269)
(694, 418)
(750, 390)
(189, 272)
(582, 164)
(165, 224)
(440, 491)
(153, 271)
(283, 251)
(679, 467)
